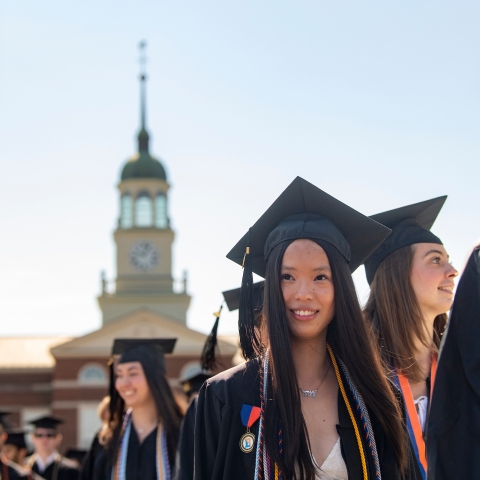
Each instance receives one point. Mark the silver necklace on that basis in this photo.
(313, 393)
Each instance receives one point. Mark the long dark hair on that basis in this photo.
(349, 336)
(168, 412)
(393, 309)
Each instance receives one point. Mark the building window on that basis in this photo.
(143, 210)
(126, 211)
(161, 218)
(88, 423)
(92, 373)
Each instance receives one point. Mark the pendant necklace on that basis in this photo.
(313, 393)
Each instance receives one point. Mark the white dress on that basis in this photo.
(421, 405)
(333, 468)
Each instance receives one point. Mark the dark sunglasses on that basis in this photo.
(44, 435)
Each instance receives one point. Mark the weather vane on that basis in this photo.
(142, 47)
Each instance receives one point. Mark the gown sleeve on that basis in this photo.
(86, 471)
(184, 465)
(100, 466)
(208, 422)
(218, 425)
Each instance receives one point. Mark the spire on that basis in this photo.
(143, 134)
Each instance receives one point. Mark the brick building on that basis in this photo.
(68, 376)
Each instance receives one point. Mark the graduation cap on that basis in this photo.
(16, 437)
(232, 299)
(410, 224)
(193, 379)
(49, 421)
(301, 211)
(138, 350)
(123, 345)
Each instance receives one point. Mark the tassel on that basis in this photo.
(208, 360)
(112, 391)
(249, 341)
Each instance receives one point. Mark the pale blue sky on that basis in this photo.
(375, 102)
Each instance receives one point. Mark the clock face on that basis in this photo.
(144, 255)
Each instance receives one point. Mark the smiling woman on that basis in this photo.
(412, 285)
(144, 426)
(312, 401)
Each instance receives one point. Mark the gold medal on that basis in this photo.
(249, 415)
(247, 442)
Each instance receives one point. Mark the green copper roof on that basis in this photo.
(142, 164)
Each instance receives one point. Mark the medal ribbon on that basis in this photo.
(413, 423)
(249, 415)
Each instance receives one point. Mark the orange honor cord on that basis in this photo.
(433, 374)
(413, 424)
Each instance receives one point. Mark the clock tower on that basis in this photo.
(143, 236)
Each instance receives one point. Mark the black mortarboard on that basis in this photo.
(193, 380)
(16, 437)
(232, 297)
(305, 211)
(134, 349)
(48, 421)
(410, 224)
(301, 211)
(123, 345)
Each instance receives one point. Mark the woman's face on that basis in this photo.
(432, 279)
(307, 288)
(132, 384)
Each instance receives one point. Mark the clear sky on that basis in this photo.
(375, 102)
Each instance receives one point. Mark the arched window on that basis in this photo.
(92, 373)
(126, 211)
(161, 217)
(143, 210)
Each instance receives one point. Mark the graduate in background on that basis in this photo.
(411, 289)
(88, 463)
(196, 378)
(46, 461)
(15, 447)
(314, 404)
(9, 470)
(453, 433)
(143, 432)
(192, 382)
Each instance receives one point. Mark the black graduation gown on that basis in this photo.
(218, 429)
(12, 471)
(141, 459)
(184, 460)
(60, 469)
(453, 429)
(86, 472)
